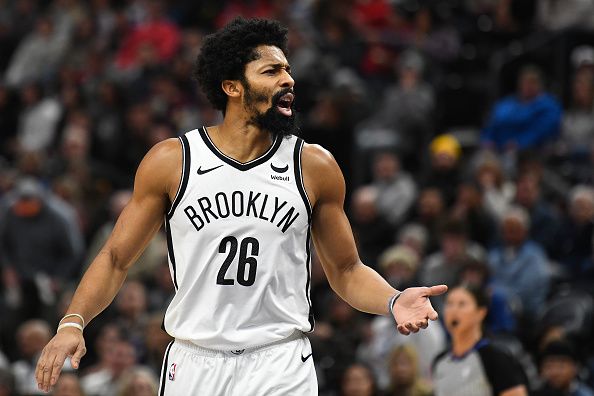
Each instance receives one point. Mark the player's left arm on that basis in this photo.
(359, 285)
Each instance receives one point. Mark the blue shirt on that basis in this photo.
(525, 124)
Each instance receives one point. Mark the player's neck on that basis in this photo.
(240, 140)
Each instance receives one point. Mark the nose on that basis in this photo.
(286, 80)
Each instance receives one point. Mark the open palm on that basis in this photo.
(413, 310)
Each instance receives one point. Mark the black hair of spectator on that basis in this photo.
(454, 227)
(560, 348)
(225, 53)
(470, 263)
(478, 293)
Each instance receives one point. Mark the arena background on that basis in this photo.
(445, 117)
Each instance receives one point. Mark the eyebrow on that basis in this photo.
(277, 66)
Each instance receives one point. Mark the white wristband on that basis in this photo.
(70, 324)
(73, 315)
(392, 301)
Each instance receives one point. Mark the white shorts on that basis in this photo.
(281, 368)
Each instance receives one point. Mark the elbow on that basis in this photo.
(113, 259)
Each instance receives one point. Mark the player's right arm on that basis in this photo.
(155, 185)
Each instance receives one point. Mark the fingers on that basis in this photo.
(75, 359)
(47, 373)
(41, 363)
(409, 327)
(433, 315)
(41, 368)
(422, 324)
(436, 290)
(403, 330)
(56, 368)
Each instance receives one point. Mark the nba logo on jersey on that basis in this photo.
(172, 371)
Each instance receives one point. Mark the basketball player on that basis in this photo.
(241, 202)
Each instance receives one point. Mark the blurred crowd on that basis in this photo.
(464, 128)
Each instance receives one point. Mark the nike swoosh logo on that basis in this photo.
(201, 172)
(280, 170)
(303, 359)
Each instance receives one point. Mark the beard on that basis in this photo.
(272, 120)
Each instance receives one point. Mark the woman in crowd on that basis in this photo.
(472, 366)
(404, 373)
(358, 380)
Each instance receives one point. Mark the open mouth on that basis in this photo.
(284, 104)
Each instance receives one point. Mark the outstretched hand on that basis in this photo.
(413, 310)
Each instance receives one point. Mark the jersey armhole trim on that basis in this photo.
(184, 176)
(301, 187)
(299, 177)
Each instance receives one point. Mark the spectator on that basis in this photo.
(31, 338)
(519, 265)
(38, 119)
(38, 54)
(559, 367)
(404, 378)
(574, 241)
(577, 127)
(358, 380)
(120, 359)
(155, 40)
(430, 214)
(498, 191)
(109, 335)
(544, 221)
(107, 113)
(68, 384)
(525, 120)
(45, 260)
(469, 209)
(414, 236)
(407, 107)
(161, 289)
(472, 366)
(372, 232)
(567, 15)
(399, 266)
(442, 266)
(138, 382)
(444, 166)
(396, 190)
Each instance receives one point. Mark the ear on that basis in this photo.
(232, 88)
(483, 313)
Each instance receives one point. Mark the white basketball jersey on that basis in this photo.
(238, 237)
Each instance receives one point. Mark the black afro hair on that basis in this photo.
(225, 53)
